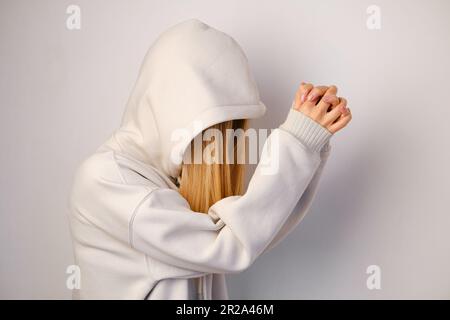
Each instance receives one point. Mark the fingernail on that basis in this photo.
(302, 99)
(311, 97)
(343, 109)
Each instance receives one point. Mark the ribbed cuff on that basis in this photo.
(308, 131)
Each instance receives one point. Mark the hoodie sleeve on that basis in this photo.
(236, 229)
(305, 202)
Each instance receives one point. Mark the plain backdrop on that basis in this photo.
(384, 196)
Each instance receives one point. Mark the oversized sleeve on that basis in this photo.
(237, 229)
(305, 202)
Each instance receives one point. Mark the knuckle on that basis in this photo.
(302, 89)
(314, 90)
(321, 89)
(305, 86)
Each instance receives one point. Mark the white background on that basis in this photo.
(384, 196)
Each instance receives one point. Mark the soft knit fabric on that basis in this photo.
(134, 235)
(311, 133)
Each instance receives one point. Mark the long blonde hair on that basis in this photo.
(203, 184)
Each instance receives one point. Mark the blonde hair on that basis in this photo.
(203, 184)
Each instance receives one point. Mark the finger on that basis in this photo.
(328, 101)
(316, 93)
(302, 92)
(341, 123)
(336, 112)
(332, 91)
(314, 96)
(334, 104)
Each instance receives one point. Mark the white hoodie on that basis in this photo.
(134, 235)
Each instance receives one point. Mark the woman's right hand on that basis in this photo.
(321, 104)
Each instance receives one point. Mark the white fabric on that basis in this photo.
(134, 235)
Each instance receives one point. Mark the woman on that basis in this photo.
(148, 226)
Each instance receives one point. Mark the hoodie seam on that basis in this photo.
(133, 216)
(131, 234)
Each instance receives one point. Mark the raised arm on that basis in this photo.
(310, 101)
(236, 229)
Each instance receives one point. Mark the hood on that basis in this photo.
(193, 76)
